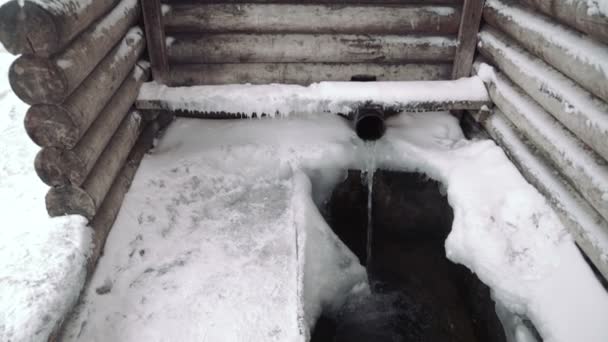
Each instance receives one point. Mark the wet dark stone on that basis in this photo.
(417, 293)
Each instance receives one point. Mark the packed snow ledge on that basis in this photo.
(220, 239)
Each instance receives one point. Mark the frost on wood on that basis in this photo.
(216, 227)
(323, 97)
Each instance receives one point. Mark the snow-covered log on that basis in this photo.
(580, 111)
(56, 166)
(85, 200)
(313, 18)
(45, 27)
(41, 80)
(335, 2)
(324, 97)
(582, 59)
(293, 48)
(63, 125)
(589, 16)
(586, 170)
(587, 227)
(301, 73)
(105, 216)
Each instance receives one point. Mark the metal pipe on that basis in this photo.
(368, 122)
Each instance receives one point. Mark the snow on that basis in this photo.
(42, 260)
(594, 7)
(219, 238)
(333, 97)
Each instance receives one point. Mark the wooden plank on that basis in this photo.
(63, 125)
(582, 15)
(60, 167)
(155, 38)
(86, 199)
(313, 18)
(587, 227)
(467, 38)
(301, 73)
(583, 114)
(108, 211)
(324, 97)
(564, 49)
(41, 80)
(42, 27)
(304, 48)
(584, 169)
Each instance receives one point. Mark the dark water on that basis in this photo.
(417, 293)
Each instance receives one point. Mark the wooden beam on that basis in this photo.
(301, 73)
(40, 80)
(529, 29)
(277, 100)
(43, 27)
(583, 15)
(155, 37)
(307, 48)
(467, 38)
(313, 19)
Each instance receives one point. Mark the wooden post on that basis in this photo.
(467, 38)
(155, 36)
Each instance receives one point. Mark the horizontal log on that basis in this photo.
(313, 18)
(45, 27)
(324, 97)
(85, 200)
(41, 80)
(585, 170)
(584, 114)
(108, 211)
(300, 73)
(299, 48)
(582, 59)
(583, 15)
(63, 125)
(56, 166)
(588, 228)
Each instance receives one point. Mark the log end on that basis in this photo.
(57, 167)
(69, 200)
(51, 126)
(38, 80)
(28, 29)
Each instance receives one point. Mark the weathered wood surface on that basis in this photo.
(63, 125)
(313, 18)
(583, 114)
(300, 73)
(299, 48)
(583, 15)
(325, 97)
(155, 37)
(45, 27)
(587, 227)
(109, 209)
(565, 49)
(85, 200)
(56, 166)
(585, 170)
(41, 80)
(467, 38)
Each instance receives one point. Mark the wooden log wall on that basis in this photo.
(79, 70)
(549, 83)
(213, 42)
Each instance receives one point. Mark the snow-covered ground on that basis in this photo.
(220, 237)
(42, 260)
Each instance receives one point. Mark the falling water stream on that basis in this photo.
(368, 179)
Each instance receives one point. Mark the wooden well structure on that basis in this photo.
(82, 64)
